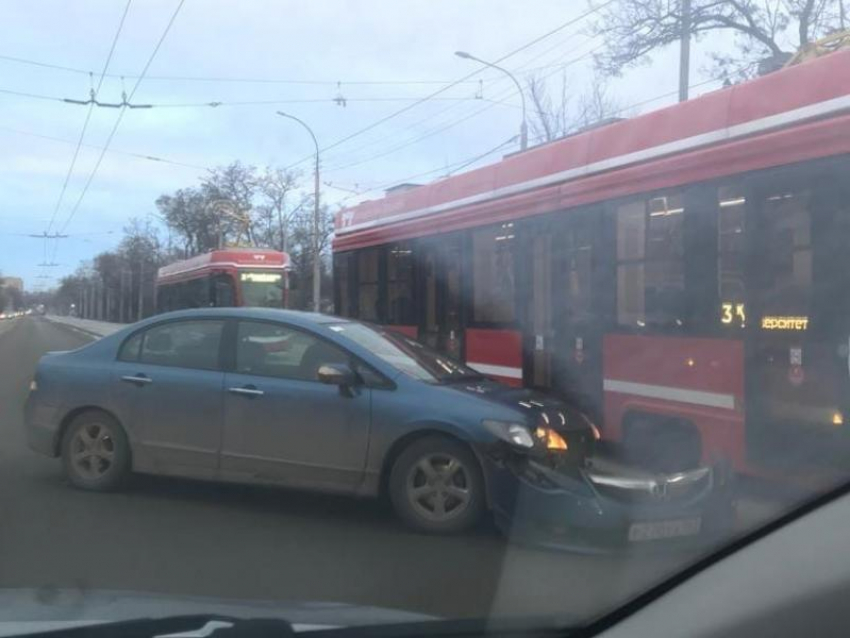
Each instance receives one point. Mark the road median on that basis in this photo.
(89, 327)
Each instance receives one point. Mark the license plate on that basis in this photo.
(658, 530)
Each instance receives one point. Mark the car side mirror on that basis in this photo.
(337, 374)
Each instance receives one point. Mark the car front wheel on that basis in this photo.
(436, 486)
(95, 452)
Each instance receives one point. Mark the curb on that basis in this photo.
(83, 331)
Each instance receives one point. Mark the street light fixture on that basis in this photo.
(317, 266)
(523, 130)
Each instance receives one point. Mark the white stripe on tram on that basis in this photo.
(682, 395)
(498, 371)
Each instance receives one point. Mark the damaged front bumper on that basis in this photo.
(607, 505)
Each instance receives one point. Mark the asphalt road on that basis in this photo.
(189, 538)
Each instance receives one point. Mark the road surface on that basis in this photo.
(180, 537)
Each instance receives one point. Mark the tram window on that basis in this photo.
(367, 284)
(342, 274)
(731, 206)
(493, 282)
(650, 262)
(787, 268)
(400, 285)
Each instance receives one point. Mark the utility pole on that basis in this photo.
(96, 313)
(317, 262)
(317, 258)
(121, 296)
(141, 289)
(685, 52)
(284, 244)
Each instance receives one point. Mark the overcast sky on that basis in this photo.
(383, 53)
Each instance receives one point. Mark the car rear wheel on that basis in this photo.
(436, 486)
(95, 452)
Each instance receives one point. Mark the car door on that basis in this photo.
(169, 383)
(281, 425)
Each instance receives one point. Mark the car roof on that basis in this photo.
(270, 314)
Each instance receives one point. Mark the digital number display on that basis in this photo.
(261, 277)
(733, 313)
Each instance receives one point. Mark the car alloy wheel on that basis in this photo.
(93, 450)
(438, 487)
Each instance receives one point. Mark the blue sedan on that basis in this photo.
(322, 403)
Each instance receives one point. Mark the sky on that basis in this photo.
(379, 55)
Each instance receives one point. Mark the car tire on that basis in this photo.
(436, 486)
(95, 452)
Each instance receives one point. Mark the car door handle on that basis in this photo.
(247, 391)
(137, 378)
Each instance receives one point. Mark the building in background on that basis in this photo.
(12, 282)
(11, 293)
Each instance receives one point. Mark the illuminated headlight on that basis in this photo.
(550, 439)
(514, 433)
(33, 385)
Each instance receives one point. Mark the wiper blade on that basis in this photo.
(228, 627)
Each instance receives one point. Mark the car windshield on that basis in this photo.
(405, 354)
(395, 310)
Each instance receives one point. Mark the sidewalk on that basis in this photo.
(90, 327)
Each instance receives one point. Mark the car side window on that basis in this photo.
(371, 377)
(183, 344)
(130, 349)
(278, 350)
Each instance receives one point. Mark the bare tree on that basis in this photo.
(763, 29)
(4, 297)
(597, 105)
(276, 186)
(556, 113)
(234, 185)
(188, 214)
(302, 248)
(551, 117)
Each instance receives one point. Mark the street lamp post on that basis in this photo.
(523, 129)
(317, 266)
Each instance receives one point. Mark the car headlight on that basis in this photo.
(521, 436)
(551, 440)
(514, 433)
